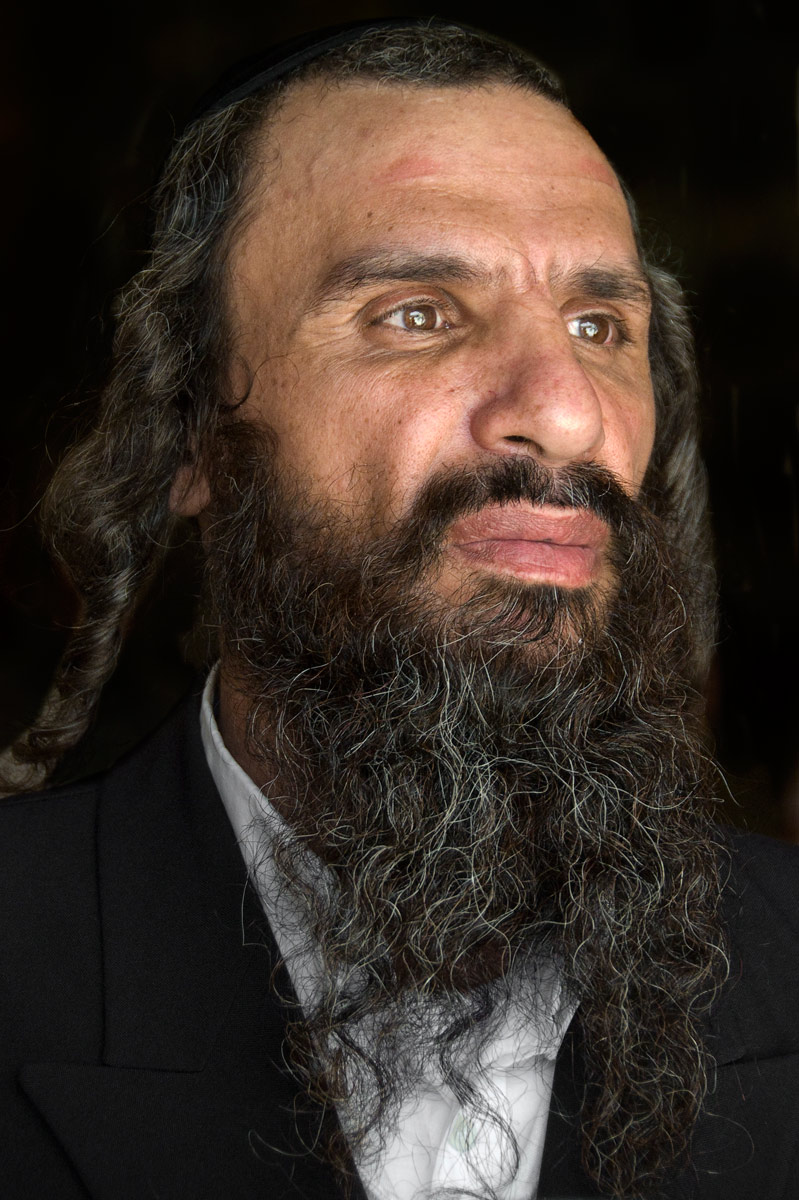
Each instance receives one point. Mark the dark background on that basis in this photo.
(697, 108)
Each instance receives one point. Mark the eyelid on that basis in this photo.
(445, 305)
(384, 319)
(622, 335)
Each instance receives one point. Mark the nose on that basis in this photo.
(538, 399)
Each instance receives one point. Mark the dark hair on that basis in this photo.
(106, 512)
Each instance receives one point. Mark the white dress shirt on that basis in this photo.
(433, 1144)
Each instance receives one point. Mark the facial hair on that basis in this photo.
(512, 780)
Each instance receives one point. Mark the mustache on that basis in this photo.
(454, 493)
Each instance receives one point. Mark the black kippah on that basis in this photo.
(254, 73)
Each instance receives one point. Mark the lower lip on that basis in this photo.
(551, 563)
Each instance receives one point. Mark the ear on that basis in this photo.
(189, 495)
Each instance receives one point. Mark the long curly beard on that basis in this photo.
(513, 780)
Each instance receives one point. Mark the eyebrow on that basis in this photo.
(625, 282)
(382, 266)
(608, 283)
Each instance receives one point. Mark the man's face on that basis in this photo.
(432, 279)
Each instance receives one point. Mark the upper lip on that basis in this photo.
(524, 523)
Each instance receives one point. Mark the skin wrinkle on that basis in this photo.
(381, 265)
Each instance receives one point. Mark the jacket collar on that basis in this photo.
(193, 1096)
(174, 904)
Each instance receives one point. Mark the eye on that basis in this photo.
(416, 318)
(594, 327)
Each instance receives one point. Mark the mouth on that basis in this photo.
(562, 547)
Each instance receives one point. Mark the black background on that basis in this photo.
(697, 108)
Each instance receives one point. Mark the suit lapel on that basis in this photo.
(745, 1140)
(744, 1143)
(171, 887)
(562, 1174)
(192, 1097)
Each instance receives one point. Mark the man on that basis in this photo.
(397, 350)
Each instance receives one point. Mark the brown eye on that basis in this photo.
(594, 328)
(419, 316)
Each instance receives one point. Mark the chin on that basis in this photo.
(541, 617)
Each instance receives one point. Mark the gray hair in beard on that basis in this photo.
(514, 780)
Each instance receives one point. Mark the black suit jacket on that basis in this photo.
(143, 1039)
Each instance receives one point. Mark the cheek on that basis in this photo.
(336, 438)
(367, 437)
(413, 428)
(629, 438)
(641, 441)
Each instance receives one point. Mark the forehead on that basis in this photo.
(348, 163)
